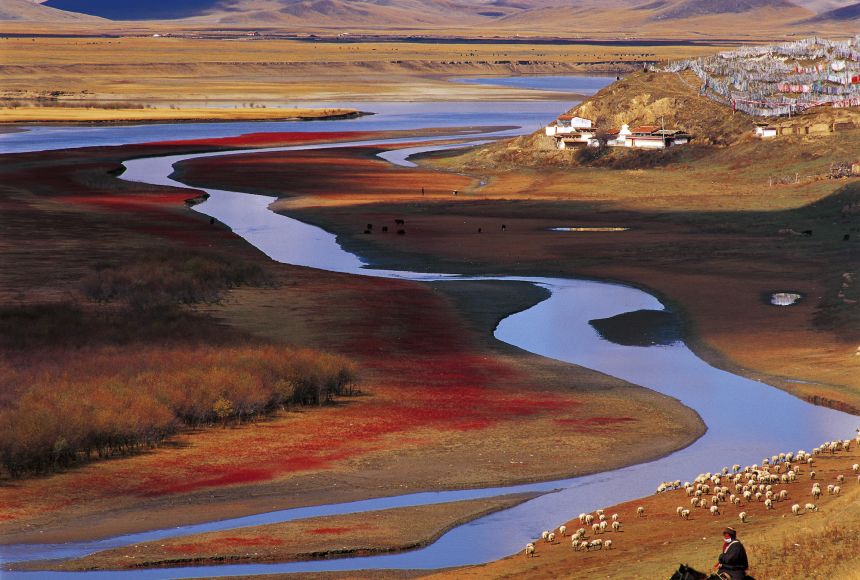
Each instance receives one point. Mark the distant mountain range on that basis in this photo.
(557, 17)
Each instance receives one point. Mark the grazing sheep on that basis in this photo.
(583, 545)
(816, 492)
(830, 488)
(551, 538)
(595, 528)
(589, 519)
(840, 478)
(694, 502)
(596, 544)
(562, 530)
(855, 468)
(544, 535)
(768, 504)
(530, 550)
(743, 517)
(601, 517)
(736, 501)
(811, 507)
(608, 544)
(616, 526)
(836, 490)
(603, 526)
(783, 495)
(679, 509)
(581, 518)
(715, 511)
(685, 514)
(640, 511)
(599, 512)
(795, 509)
(614, 517)
(812, 474)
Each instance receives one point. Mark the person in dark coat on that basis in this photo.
(733, 561)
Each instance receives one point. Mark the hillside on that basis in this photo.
(639, 99)
(844, 14)
(27, 10)
(547, 18)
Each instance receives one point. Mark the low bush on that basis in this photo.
(111, 401)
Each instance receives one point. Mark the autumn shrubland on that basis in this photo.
(83, 381)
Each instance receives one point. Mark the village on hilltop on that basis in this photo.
(772, 82)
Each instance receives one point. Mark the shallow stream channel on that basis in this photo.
(746, 420)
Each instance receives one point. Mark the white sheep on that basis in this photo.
(544, 535)
(601, 517)
(811, 507)
(836, 490)
(840, 478)
(603, 526)
(768, 504)
(816, 492)
(616, 526)
(795, 509)
(830, 489)
(583, 545)
(855, 468)
(608, 544)
(783, 495)
(589, 519)
(582, 518)
(715, 511)
(562, 530)
(530, 550)
(595, 528)
(743, 517)
(614, 517)
(640, 511)
(679, 509)
(685, 514)
(596, 544)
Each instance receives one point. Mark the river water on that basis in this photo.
(746, 420)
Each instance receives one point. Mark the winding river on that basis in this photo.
(747, 420)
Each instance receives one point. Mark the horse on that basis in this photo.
(687, 573)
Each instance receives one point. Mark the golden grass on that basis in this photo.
(89, 115)
(179, 70)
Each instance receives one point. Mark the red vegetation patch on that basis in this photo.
(269, 139)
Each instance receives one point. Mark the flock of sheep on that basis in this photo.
(736, 486)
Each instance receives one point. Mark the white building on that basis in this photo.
(567, 124)
(765, 131)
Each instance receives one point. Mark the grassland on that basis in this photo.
(443, 405)
(818, 545)
(221, 74)
(368, 533)
(102, 114)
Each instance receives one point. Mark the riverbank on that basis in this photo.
(368, 533)
(819, 545)
(701, 234)
(444, 405)
(95, 115)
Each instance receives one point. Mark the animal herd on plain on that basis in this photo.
(712, 493)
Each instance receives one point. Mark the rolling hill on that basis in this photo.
(543, 17)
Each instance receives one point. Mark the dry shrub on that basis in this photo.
(810, 554)
(110, 401)
(169, 279)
